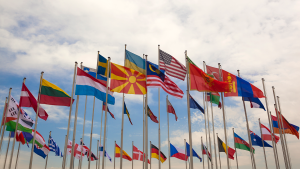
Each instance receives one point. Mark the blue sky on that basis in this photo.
(259, 38)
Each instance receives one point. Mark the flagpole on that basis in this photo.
(7, 149)
(202, 153)
(105, 116)
(271, 127)
(237, 163)
(189, 113)
(205, 107)
(66, 140)
(280, 129)
(18, 155)
(224, 121)
(185, 153)
(151, 155)
(286, 147)
(5, 115)
(212, 119)
(168, 135)
(159, 164)
(248, 130)
(100, 135)
(146, 124)
(114, 156)
(69, 121)
(98, 154)
(262, 140)
(48, 146)
(36, 119)
(132, 155)
(219, 151)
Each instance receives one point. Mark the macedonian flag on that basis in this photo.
(126, 80)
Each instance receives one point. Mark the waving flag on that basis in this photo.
(195, 105)
(222, 148)
(27, 100)
(194, 152)
(241, 143)
(155, 154)
(124, 154)
(134, 62)
(286, 129)
(103, 108)
(256, 140)
(88, 85)
(138, 155)
(101, 152)
(126, 80)
(92, 72)
(77, 150)
(54, 147)
(267, 135)
(43, 152)
(39, 139)
(19, 136)
(102, 66)
(214, 98)
(126, 112)
(152, 116)
(205, 151)
(87, 152)
(254, 102)
(286, 124)
(178, 153)
(170, 109)
(171, 66)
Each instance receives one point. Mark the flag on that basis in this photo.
(103, 108)
(88, 85)
(266, 134)
(77, 150)
(126, 80)
(39, 139)
(134, 62)
(25, 122)
(254, 102)
(87, 152)
(257, 141)
(222, 148)
(53, 95)
(170, 109)
(195, 105)
(102, 66)
(155, 153)
(138, 155)
(152, 116)
(241, 144)
(238, 86)
(43, 152)
(54, 147)
(127, 112)
(194, 152)
(124, 154)
(202, 82)
(156, 78)
(171, 66)
(286, 124)
(27, 100)
(92, 72)
(19, 136)
(205, 151)
(214, 97)
(178, 153)
(101, 152)
(286, 129)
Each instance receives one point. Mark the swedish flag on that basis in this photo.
(135, 62)
(102, 66)
(126, 112)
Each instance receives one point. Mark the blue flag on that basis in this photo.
(54, 147)
(195, 105)
(92, 72)
(101, 152)
(254, 102)
(194, 152)
(257, 141)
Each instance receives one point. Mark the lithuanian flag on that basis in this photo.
(53, 95)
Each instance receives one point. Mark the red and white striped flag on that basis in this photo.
(170, 109)
(266, 134)
(171, 66)
(168, 85)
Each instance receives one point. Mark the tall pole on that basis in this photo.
(114, 156)
(150, 155)
(4, 107)
(205, 107)
(105, 116)
(48, 146)
(35, 125)
(212, 119)
(143, 130)
(280, 130)
(69, 121)
(132, 155)
(7, 149)
(202, 153)
(146, 124)
(100, 134)
(219, 151)
(159, 164)
(98, 153)
(237, 163)
(262, 140)
(168, 135)
(18, 155)
(122, 127)
(5, 114)
(224, 121)
(248, 130)
(189, 112)
(185, 150)
(271, 127)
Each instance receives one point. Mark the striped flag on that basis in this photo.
(170, 109)
(205, 151)
(171, 66)
(54, 147)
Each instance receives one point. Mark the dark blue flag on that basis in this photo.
(195, 105)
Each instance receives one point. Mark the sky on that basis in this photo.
(259, 38)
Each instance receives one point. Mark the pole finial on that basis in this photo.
(75, 62)
(273, 87)
(42, 72)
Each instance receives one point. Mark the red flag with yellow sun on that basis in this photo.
(126, 80)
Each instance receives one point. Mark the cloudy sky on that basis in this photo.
(260, 38)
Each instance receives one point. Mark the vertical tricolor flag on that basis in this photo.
(286, 129)
(222, 148)
(241, 143)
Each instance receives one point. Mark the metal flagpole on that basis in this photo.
(100, 133)
(286, 147)
(168, 135)
(36, 118)
(132, 155)
(18, 155)
(189, 113)
(262, 140)
(202, 153)
(248, 130)
(212, 119)
(144, 128)
(66, 140)
(151, 155)
(237, 163)
(205, 107)
(224, 121)
(114, 156)
(97, 154)
(271, 127)
(219, 151)
(80, 159)
(70, 113)
(16, 129)
(48, 146)
(146, 124)
(280, 129)
(185, 153)
(5, 114)
(105, 116)
(159, 164)
(7, 149)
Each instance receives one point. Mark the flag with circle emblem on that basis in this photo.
(126, 80)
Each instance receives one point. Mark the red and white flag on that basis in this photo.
(27, 100)
(266, 134)
(138, 154)
(170, 109)
(168, 85)
(171, 66)
(77, 150)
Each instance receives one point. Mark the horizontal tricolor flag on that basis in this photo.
(241, 143)
(178, 153)
(266, 134)
(43, 151)
(288, 129)
(254, 102)
(124, 154)
(155, 154)
(92, 72)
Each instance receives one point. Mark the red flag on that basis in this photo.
(170, 109)
(77, 150)
(138, 154)
(103, 108)
(152, 116)
(286, 124)
(266, 134)
(27, 100)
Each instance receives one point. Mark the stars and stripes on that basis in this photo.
(54, 147)
(171, 66)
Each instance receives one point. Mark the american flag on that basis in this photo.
(171, 66)
(168, 85)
